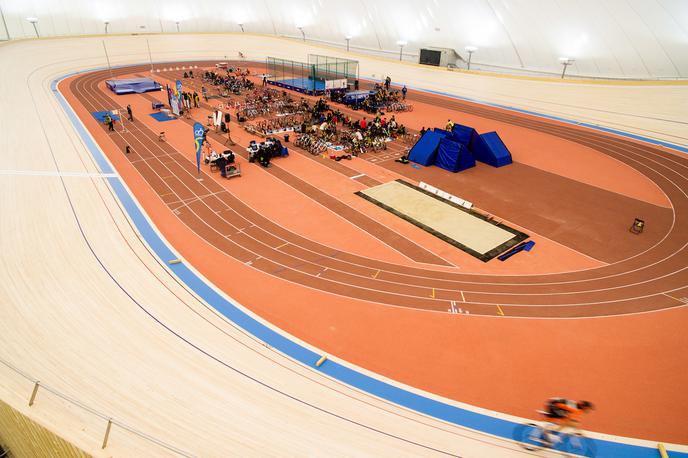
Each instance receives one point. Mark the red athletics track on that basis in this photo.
(472, 359)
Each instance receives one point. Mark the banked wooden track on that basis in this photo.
(93, 314)
(654, 279)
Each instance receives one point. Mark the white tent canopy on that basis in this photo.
(612, 38)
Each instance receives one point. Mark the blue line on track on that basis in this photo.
(452, 414)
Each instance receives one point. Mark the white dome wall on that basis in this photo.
(614, 38)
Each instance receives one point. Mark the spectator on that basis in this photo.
(422, 131)
(450, 125)
(388, 83)
(404, 90)
(363, 124)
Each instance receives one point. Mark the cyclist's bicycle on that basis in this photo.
(534, 437)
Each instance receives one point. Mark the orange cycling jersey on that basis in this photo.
(572, 416)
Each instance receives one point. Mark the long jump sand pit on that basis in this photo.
(463, 228)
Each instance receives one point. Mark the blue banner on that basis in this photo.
(179, 89)
(198, 131)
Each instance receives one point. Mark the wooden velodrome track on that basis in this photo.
(74, 302)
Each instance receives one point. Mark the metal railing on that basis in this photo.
(110, 421)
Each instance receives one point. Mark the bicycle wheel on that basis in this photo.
(530, 436)
(578, 444)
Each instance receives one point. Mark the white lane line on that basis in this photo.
(55, 173)
(682, 300)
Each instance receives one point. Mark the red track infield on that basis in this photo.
(343, 275)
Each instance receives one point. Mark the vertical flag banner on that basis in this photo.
(198, 130)
(179, 89)
(174, 105)
(169, 95)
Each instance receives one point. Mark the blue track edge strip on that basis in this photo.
(446, 412)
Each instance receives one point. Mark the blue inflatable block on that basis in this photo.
(490, 149)
(465, 135)
(453, 156)
(442, 132)
(425, 149)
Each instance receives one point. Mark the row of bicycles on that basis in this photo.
(311, 143)
(279, 122)
(399, 107)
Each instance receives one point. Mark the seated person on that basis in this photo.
(276, 148)
(221, 163)
(263, 157)
(228, 155)
(252, 150)
(213, 156)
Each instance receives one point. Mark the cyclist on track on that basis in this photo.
(565, 413)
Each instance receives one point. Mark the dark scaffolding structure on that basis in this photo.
(319, 74)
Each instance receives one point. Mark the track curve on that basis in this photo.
(644, 282)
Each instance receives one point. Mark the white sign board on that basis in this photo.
(336, 84)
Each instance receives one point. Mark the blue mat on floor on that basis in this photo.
(100, 116)
(162, 117)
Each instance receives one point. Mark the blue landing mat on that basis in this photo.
(162, 117)
(100, 115)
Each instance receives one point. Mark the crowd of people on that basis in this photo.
(278, 110)
(333, 126)
(383, 98)
(235, 81)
